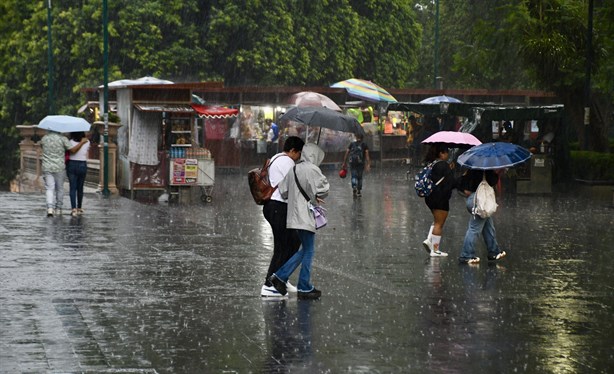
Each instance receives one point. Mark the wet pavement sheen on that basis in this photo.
(131, 287)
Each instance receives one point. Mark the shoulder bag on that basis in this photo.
(319, 213)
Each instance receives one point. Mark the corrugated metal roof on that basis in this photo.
(172, 108)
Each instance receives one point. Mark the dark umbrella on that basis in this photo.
(323, 117)
(494, 156)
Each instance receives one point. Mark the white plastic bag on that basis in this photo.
(484, 201)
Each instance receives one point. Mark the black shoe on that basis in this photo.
(313, 294)
(278, 284)
(358, 193)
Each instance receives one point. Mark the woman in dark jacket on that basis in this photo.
(439, 199)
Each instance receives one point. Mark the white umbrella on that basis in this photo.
(62, 123)
(313, 99)
(136, 82)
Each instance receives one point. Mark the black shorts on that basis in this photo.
(438, 201)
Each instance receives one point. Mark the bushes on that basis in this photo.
(592, 166)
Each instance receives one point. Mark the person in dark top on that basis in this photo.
(438, 201)
(468, 184)
(357, 155)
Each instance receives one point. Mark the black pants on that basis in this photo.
(285, 242)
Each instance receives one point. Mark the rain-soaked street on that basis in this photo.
(131, 287)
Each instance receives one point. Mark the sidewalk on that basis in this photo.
(138, 288)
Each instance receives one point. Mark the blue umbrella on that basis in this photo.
(440, 99)
(494, 156)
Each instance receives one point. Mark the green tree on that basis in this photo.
(552, 36)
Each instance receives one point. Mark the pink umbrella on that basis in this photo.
(452, 138)
(313, 99)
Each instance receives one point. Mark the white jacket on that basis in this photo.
(314, 183)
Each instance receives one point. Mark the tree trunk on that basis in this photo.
(596, 131)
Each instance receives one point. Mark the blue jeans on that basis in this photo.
(76, 170)
(54, 185)
(303, 257)
(477, 226)
(356, 172)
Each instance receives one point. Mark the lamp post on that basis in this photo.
(436, 58)
(105, 58)
(50, 98)
(587, 74)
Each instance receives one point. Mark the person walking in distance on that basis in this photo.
(439, 199)
(54, 147)
(304, 185)
(357, 155)
(285, 242)
(76, 169)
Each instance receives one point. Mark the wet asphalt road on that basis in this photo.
(131, 287)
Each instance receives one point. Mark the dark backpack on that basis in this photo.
(356, 154)
(259, 184)
(424, 184)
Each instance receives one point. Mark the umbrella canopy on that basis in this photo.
(365, 90)
(453, 138)
(313, 99)
(136, 82)
(323, 117)
(494, 156)
(440, 99)
(62, 123)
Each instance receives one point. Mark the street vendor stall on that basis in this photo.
(158, 147)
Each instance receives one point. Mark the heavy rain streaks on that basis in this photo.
(135, 287)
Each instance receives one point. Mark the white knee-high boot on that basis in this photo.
(436, 240)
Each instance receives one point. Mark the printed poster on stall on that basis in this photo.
(184, 171)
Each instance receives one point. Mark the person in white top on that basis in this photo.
(285, 242)
(76, 169)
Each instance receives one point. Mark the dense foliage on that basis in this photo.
(531, 44)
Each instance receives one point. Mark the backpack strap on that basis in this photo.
(442, 178)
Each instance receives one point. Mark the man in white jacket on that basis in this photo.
(300, 218)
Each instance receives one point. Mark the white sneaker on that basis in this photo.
(269, 291)
(438, 254)
(428, 246)
(58, 212)
(290, 287)
(50, 212)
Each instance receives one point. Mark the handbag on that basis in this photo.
(319, 213)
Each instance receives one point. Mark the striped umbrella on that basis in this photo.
(365, 90)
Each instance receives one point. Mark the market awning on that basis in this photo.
(171, 108)
(208, 111)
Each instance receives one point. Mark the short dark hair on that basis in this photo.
(293, 142)
(77, 136)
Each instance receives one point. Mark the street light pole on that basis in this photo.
(436, 58)
(587, 76)
(105, 57)
(50, 97)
